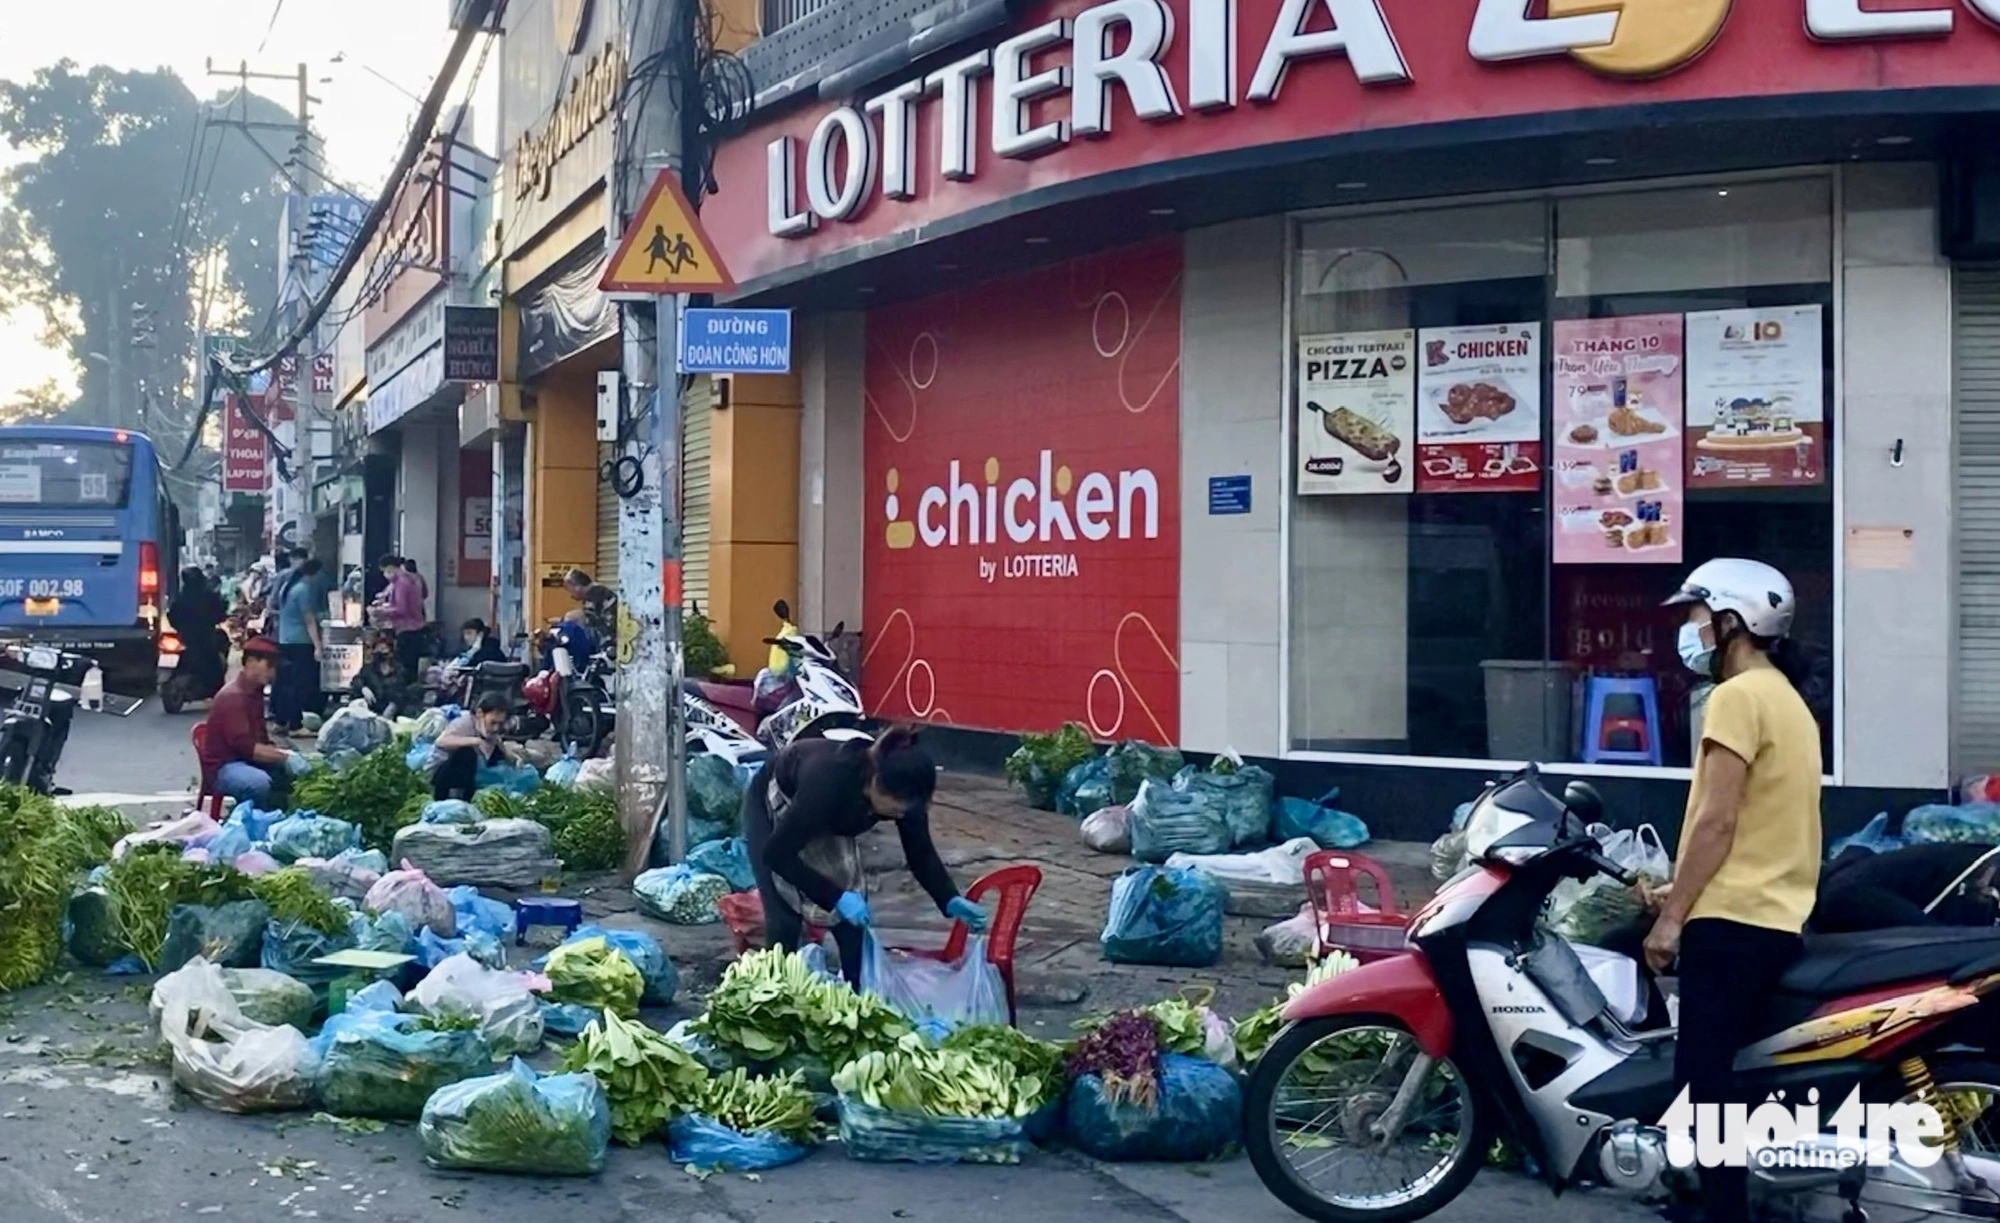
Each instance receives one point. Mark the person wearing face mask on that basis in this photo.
(801, 817)
(1747, 868)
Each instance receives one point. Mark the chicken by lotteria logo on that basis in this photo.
(1049, 506)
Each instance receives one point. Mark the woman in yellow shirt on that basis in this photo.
(1748, 864)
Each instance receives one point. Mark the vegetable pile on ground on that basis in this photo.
(1038, 765)
(378, 794)
(779, 1105)
(144, 887)
(769, 1004)
(648, 1078)
(916, 1077)
(583, 824)
(42, 848)
(1255, 1031)
(1124, 1053)
(590, 972)
(1036, 1065)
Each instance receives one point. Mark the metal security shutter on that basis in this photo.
(1976, 395)
(697, 415)
(607, 521)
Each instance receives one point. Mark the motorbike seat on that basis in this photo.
(723, 696)
(505, 671)
(1837, 964)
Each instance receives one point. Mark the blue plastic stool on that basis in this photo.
(1621, 720)
(545, 911)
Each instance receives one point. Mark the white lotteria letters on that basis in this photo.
(1502, 30)
(897, 111)
(1016, 87)
(1149, 27)
(1359, 31)
(839, 201)
(1840, 20)
(1212, 54)
(781, 191)
(958, 118)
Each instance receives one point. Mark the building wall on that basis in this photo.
(830, 352)
(417, 509)
(562, 529)
(753, 551)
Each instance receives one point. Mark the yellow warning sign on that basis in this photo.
(664, 249)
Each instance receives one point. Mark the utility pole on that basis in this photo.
(651, 747)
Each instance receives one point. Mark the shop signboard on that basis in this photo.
(1756, 398)
(244, 449)
(1617, 424)
(1479, 409)
(472, 343)
(1357, 411)
(736, 342)
(1021, 561)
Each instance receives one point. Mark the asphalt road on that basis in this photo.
(91, 1131)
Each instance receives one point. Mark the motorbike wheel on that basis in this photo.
(173, 696)
(582, 728)
(1307, 1116)
(17, 756)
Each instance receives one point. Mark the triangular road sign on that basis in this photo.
(664, 249)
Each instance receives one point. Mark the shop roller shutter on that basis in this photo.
(697, 415)
(607, 521)
(1976, 394)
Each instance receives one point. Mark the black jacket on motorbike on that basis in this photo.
(1861, 890)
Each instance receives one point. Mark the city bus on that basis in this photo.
(89, 546)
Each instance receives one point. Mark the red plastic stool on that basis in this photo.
(1016, 886)
(1340, 918)
(207, 797)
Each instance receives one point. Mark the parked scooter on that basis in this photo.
(181, 682)
(714, 731)
(1379, 1100)
(35, 722)
(814, 700)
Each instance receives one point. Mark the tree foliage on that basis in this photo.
(92, 222)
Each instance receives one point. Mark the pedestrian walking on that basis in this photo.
(402, 609)
(299, 642)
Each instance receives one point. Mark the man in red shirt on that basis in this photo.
(237, 758)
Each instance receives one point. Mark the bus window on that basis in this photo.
(66, 475)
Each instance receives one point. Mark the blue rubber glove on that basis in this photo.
(853, 908)
(971, 914)
(296, 764)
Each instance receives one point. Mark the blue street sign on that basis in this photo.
(1229, 494)
(736, 342)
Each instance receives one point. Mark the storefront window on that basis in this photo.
(1516, 427)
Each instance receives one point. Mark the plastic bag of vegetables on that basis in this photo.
(411, 893)
(917, 1104)
(729, 858)
(311, 836)
(1086, 788)
(1166, 821)
(1164, 916)
(221, 1057)
(1587, 912)
(745, 1125)
(1242, 791)
(507, 1014)
(681, 895)
(378, 1064)
(962, 992)
(270, 997)
(1195, 1113)
(591, 972)
(518, 1121)
(291, 948)
(643, 950)
(1977, 823)
(1132, 763)
(229, 935)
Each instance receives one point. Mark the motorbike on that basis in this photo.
(714, 730)
(817, 701)
(577, 701)
(181, 685)
(35, 722)
(1381, 1096)
(467, 684)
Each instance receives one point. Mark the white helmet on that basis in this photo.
(1752, 589)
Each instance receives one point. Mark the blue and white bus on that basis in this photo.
(89, 545)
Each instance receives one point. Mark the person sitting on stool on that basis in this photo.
(472, 739)
(237, 759)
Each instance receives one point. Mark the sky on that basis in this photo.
(362, 117)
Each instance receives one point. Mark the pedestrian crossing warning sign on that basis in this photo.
(664, 249)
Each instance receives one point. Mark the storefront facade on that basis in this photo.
(1371, 383)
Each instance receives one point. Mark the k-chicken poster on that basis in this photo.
(1479, 409)
(1021, 563)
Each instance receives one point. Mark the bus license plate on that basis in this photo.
(42, 658)
(43, 607)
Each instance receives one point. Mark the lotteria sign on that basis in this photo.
(1078, 89)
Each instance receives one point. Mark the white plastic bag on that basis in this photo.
(355, 728)
(194, 828)
(411, 893)
(1289, 943)
(1586, 912)
(1109, 830)
(966, 992)
(1281, 865)
(600, 773)
(509, 1014)
(1617, 978)
(226, 1061)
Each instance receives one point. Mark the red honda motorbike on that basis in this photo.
(1381, 1098)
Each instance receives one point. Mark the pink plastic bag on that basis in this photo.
(410, 892)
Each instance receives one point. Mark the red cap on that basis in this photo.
(261, 646)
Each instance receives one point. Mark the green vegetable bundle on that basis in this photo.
(1038, 765)
(42, 849)
(591, 972)
(781, 1106)
(146, 884)
(648, 1078)
(769, 1004)
(1030, 1060)
(378, 794)
(516, 1122)
(584, 824)
(296, 900)
(916, 1078)
(1255, 1032)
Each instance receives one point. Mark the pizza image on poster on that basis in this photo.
(1479, 409)
(1756, 398)
(1617, 486)
(1357, 412)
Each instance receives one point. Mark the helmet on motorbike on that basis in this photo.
(540, 692)
(1756, 592)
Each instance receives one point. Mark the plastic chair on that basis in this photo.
(207, 797)
(1621, 720)
(1016, 886)
(545, 911)
(1340, 918)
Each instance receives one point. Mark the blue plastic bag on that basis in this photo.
(432, 950)
(256, 823)
(375, 1064)
(1317, 818)
(231, 843)
(513, 778)
(966, 992)
(1085, 788)
(1166, 916)
(883, 1135)
(1874, 836)
(704, 1142)
(291, 949)
(1973, 823)
(680, 894)
(451, 811)
(663, 980)
(1196, 1114)
(477, 912)
(418, 758)
(306, 835)
(517, 1121)
(378, 996)
(729, 858)
(568, 1018)
(563, 772)
(1165, 821)
(390, 932)
(1243, 797)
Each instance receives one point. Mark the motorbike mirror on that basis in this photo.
(839, 627)
(1584, 802)
(782, 610)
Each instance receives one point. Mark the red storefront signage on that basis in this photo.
(1022, 549)
(1102, 88)
(244, 448)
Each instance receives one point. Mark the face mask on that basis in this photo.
(1696, 655)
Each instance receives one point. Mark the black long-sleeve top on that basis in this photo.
(827, 784)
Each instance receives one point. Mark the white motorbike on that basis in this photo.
(817, 702)
(712, 732)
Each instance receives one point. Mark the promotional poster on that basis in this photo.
(1479, 409)
(1756, 398)
(1617, 425)
(1357, 412)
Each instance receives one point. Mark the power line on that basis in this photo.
(270, 25)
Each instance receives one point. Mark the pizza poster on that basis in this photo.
(1357, 412)
(1617, 422)
(1756, 398)
(1479, 409)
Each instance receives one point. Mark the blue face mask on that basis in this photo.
(1697, 655)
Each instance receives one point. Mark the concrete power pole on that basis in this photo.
(650, 746)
